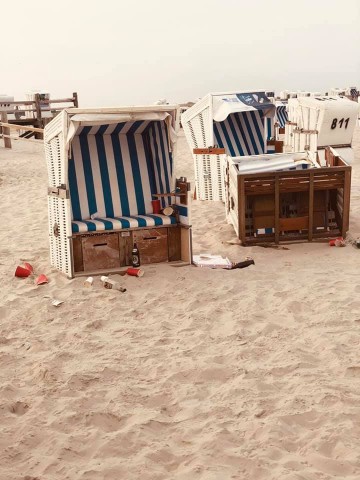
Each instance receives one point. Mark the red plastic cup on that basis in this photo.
(29, 267)
(22, 272)
(156, 206)
(135, 272)
(41, 279)
(336, 241)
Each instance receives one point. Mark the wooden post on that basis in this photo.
(5, 130)
(311, 206)
(39, 122)
(242, 209)
(76, 101)
(277, 209)
(346, 203)
(38, 109)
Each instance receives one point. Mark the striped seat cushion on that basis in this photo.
(119, 223)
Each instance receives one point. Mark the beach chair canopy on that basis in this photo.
(234, 121)
(281, 116)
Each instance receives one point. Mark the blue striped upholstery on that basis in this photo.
(115, 169)
(241, 133)
(281, 115)
(270, 128)
(119, 223)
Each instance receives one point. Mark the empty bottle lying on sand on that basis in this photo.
(111, 284)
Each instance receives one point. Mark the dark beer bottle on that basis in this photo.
(135, 256)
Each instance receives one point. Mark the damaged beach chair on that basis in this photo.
(105, 169)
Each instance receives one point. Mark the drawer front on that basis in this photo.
(152, 244)
(101, 252)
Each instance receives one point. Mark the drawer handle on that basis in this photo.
(150, 238)
(100, 244)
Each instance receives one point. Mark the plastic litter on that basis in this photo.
(135, 272)
(111, 284)
(88, 282)
(22, 272)
(337, 242)
(56, 303)
(29, 267)
(41, 279)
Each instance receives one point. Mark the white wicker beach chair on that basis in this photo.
(105, 168)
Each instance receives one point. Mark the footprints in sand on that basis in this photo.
(19, 408)
(107, 422)
(353, 371)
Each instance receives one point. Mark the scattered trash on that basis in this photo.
(41, 279)
(135, 256)
(22, 272)
(217, 261)
(211, 261)
(244, 264)
(168, 211)
(56, 303)
(111, 284)
(275, 247)
(337, 242)
(88, 282)
(29, 267)
(135, 272)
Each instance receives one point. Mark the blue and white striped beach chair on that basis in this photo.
(109, 166)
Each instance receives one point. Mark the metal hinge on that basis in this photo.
(60, 192)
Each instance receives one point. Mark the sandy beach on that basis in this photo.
(192, 373)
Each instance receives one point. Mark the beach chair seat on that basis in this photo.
(121, 223)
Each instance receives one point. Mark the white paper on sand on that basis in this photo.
(211, 261)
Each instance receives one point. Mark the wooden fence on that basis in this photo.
(31, 116)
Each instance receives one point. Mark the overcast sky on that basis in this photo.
(116, 53)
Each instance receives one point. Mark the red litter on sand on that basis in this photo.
(22, 272)
(41, 279)
(29, 267)
(337, 242)
(135, 272)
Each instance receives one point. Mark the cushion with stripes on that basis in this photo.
(119, 223)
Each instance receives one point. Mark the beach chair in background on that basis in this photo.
(106, 169)
(321, 121)
(236, 122)
(287, 197)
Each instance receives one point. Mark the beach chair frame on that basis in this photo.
(91, 161)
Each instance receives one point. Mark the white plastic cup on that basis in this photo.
(88, 282)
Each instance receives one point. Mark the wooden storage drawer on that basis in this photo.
(100, 251)
(152, 244)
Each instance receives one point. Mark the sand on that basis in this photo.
(193, 373)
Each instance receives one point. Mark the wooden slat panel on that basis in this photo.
(346, 204)
(101, 251)
(294, 223)
(242, 209)
(277, 208)
(174, 243)
(125, 247)
(209, 151)
(311, 206)
(152, 245)
(77, 254)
